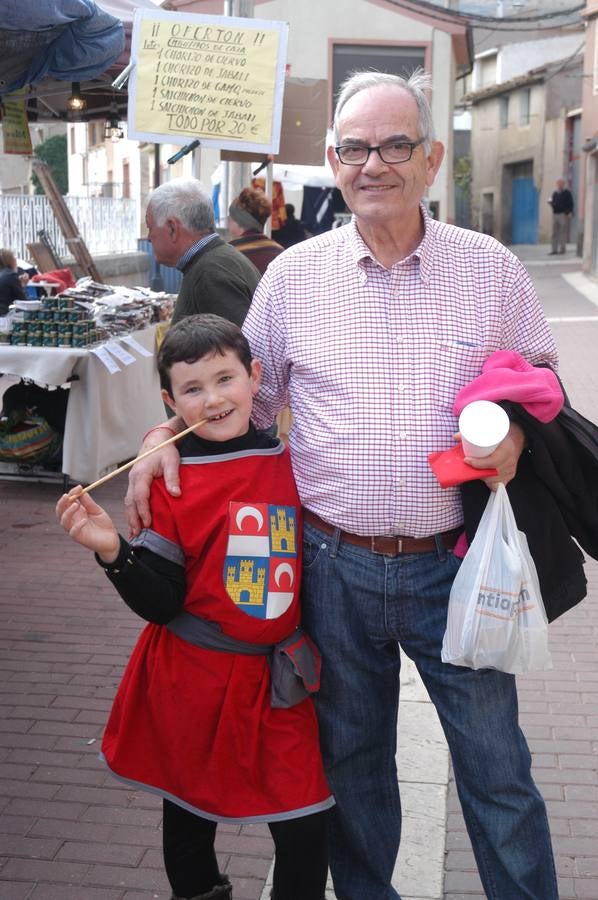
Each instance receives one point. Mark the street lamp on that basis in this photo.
(112, 127)
(76, 102)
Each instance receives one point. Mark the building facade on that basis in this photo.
(525, 135)
(589, 133)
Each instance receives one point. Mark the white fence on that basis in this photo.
(107, 225)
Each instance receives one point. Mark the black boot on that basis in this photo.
(222, 891)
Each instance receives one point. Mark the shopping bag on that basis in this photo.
(496, 618)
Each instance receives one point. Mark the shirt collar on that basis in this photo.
(193, 249)
(423, 252)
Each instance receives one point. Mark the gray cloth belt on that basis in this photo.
(294, 663)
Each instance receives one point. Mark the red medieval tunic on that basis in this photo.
(196, 725)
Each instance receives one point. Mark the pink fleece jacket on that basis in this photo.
(506, 375)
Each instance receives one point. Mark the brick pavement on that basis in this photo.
(559, 715)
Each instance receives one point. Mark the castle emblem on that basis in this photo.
(260, 568)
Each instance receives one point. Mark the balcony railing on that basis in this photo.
(107, 225)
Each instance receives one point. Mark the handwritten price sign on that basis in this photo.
(15, 127)
(212, 78)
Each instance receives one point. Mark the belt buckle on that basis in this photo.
(398, 541)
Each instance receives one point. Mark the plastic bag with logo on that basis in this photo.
(496, 617)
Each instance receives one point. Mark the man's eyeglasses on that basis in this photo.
(391, 153)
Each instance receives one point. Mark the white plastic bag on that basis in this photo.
(496, 617)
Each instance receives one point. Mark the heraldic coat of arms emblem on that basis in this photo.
(260, 567)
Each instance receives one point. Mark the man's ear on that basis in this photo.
(168, 399)
(173, 226)
(332, 159)
(433, 161)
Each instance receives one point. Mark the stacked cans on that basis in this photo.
(57, 324)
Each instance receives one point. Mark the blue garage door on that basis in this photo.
(524, 210)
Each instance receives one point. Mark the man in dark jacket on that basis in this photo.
(216, 277)
(562, 210)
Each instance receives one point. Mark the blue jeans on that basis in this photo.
(359, 607)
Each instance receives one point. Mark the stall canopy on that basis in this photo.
(45, 46)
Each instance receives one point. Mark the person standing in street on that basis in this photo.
(562, 210)
(369, 331)
(216, 277)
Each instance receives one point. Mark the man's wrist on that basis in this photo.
(164, 427)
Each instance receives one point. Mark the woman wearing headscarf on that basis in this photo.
(247, 216)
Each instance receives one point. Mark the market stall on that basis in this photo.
(113, 386)
(108, 412)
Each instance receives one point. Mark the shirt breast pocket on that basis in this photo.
(454, 365)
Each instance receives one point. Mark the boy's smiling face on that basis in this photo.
(217, 387)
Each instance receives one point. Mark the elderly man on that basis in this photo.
(216, 277)
(562, 210)
(370, 330)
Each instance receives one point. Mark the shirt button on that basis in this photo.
(402, 435)
(401, 388)
(402, 482)
(399, 339)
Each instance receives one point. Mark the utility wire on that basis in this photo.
(517, 27)
(491, 19)
(565, 62)
(437, 12)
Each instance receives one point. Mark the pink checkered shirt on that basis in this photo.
(370, 360)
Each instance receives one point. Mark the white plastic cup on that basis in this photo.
(482, 425)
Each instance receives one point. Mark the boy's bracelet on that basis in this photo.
(156, 427)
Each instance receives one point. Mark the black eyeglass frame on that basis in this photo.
(411, 144)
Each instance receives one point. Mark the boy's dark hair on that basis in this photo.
(197, 336)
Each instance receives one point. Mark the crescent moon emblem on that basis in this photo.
(249, 511)
(283, 569)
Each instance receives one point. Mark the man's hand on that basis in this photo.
(504, 459)
(163, 463)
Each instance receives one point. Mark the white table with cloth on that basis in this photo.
(107, 413)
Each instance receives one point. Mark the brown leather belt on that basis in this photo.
(388, 545)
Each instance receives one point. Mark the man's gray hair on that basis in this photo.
(416, 84)
(184, 199)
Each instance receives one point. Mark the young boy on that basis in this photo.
(217, 577)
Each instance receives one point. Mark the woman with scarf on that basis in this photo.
(247, 215)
